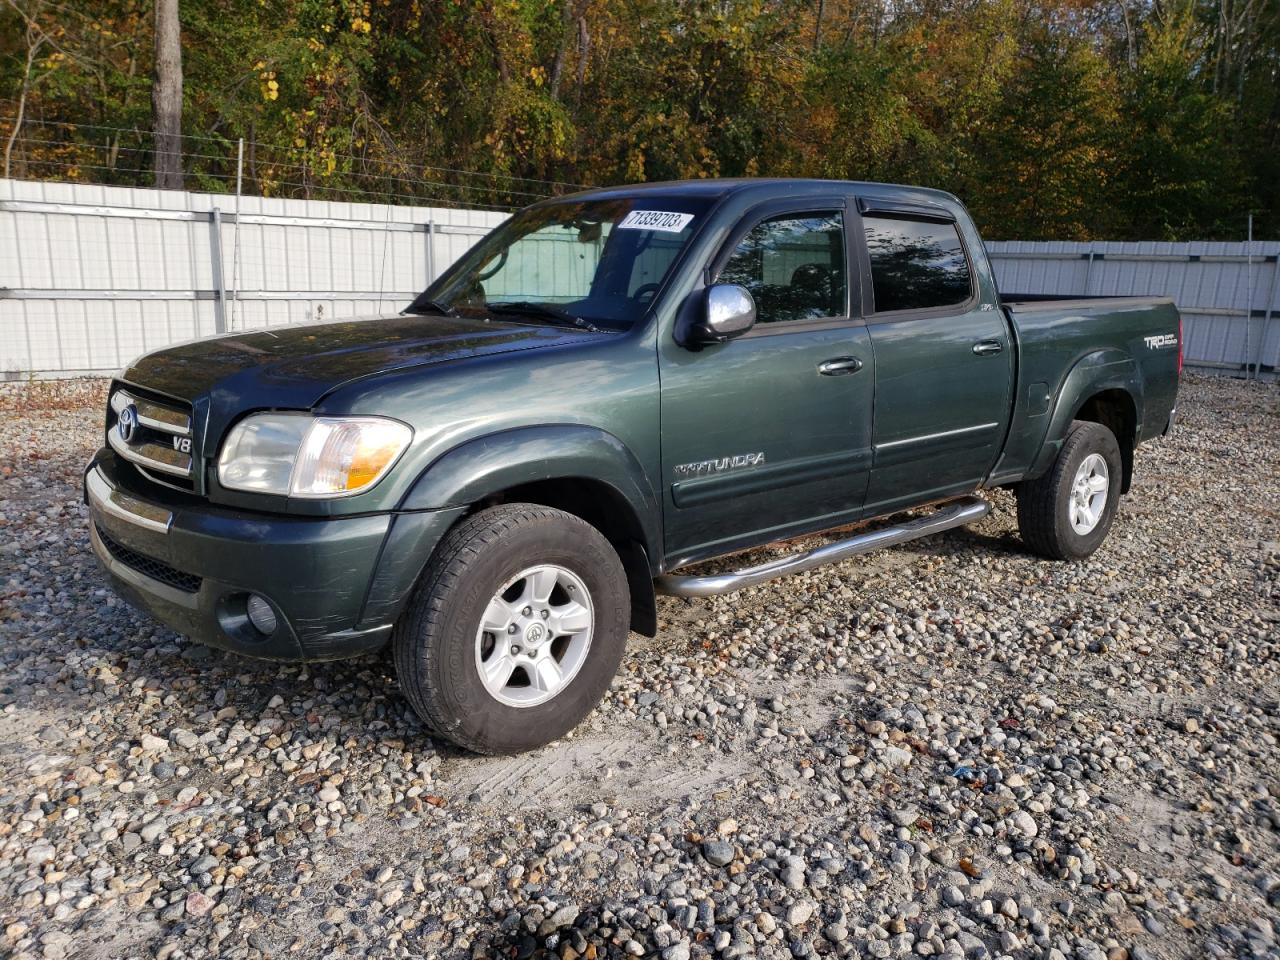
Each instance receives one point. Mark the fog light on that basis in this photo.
(260, 614)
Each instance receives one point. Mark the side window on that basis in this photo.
(916, 264)
(794, 267)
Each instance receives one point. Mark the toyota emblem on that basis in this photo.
(128, 423)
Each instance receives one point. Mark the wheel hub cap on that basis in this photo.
(534, 636)
(1088, 500)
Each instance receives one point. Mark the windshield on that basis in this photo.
(591, 263)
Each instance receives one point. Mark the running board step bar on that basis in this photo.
(955, 513)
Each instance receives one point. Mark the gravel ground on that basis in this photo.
(949, 748)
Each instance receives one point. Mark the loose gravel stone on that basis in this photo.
(718, 852)
(1024, 824)
(799, 913)
(947, 749)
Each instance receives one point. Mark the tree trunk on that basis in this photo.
(1130, 35)
(584, 54)
(562, 48)
(166, 97)
(34, 44)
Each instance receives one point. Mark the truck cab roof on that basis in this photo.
(761, 189)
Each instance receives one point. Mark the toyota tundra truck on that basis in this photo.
(606, 390)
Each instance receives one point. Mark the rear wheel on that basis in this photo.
(515, 630)
(1067, 513)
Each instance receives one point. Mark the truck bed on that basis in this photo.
(1057, 334)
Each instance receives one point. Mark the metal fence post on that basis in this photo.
(235, 243)
(431, 252)
(1248, 305)
(215, 264)
(1266, 316)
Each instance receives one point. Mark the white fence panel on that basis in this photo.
(1227, 292)
(92, 276)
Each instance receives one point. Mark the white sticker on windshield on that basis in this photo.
(655, 220)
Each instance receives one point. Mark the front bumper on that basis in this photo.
(337, 585)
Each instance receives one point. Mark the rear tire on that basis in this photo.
(1066, 514)
(515, 630)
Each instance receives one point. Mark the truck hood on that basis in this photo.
(294, 367)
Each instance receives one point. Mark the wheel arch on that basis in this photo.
(1114, 408)
(1102, 387)
(581, 470)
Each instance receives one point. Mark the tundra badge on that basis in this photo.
(704, 468)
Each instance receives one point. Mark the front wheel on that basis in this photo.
(1067, 513)
(515, 630)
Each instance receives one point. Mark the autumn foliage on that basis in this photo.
(1052, 119)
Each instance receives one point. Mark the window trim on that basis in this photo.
(904, 210)
(901, 210)
(798, 207)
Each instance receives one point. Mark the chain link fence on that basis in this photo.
(122, 156)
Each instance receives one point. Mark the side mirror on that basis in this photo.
(730, 312)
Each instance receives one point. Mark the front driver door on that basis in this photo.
(769, 435)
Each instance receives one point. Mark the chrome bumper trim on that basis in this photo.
(954, 514)
(115, 502)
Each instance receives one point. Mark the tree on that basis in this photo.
(166, 97)
(1177, 174)
(1065, 108)
(35, 40)
(1054, 119)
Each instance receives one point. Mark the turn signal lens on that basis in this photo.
(346, 455)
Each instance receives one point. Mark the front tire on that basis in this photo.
(515, 630)
(1066, 514)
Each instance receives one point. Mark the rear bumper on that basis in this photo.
(336, 584)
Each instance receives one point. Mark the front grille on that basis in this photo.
(159, 439)
(149, 566)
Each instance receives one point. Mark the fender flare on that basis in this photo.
(483, 466)
(1107, 369)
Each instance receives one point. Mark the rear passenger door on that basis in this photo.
(943, 360)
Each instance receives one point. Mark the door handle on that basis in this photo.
(839, 366)
(987, 348)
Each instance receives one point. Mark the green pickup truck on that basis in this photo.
(609, 388)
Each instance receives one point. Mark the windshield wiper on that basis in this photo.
(431, 306)
(546, 312)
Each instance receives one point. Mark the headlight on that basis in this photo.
(299, 455)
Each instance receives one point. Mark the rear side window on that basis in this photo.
(916, 264)
(794, 267)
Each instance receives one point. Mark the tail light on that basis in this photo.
(1179, 345)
